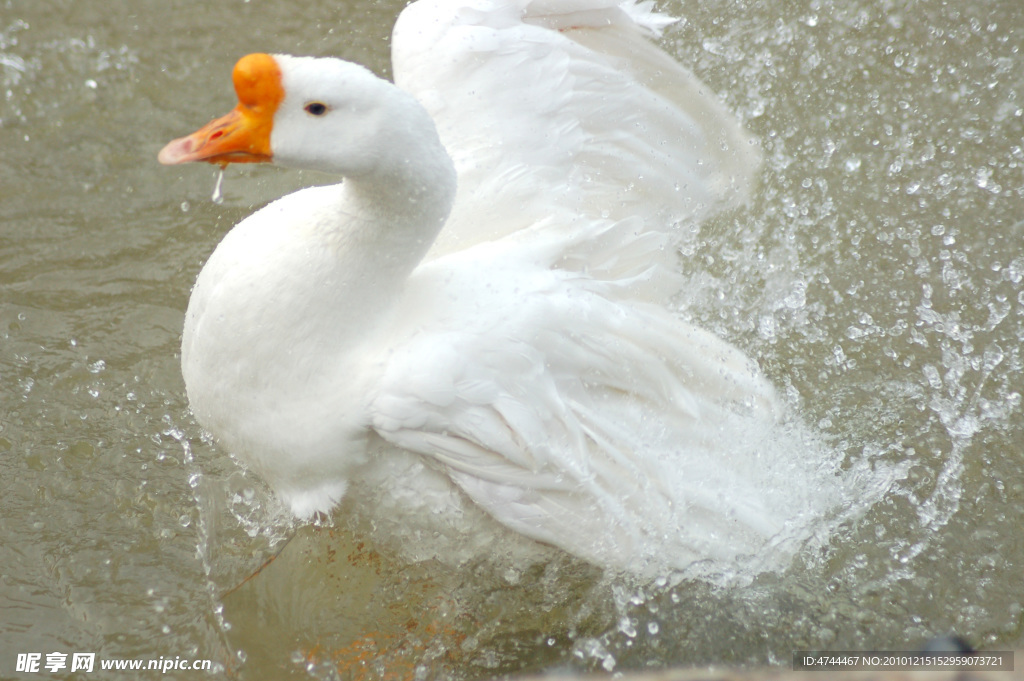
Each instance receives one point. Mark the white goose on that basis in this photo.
(528, 366)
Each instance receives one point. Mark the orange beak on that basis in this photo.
(243, 135)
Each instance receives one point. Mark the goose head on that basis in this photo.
(314, 113)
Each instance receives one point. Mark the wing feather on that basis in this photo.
(566, 414)
(565, 107)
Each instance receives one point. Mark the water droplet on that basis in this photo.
(592, 648)
(714, 47)
(797, 298)
(218, 193)
(626, 627)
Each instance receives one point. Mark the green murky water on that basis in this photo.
(878, 277)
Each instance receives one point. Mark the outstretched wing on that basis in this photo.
(566, 108)
(578, 421)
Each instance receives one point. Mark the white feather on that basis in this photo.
(526, 373)
(564, 107)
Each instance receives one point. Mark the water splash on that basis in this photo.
(204, 528)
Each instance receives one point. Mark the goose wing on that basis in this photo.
(566, 107)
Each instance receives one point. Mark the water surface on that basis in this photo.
(878, 277)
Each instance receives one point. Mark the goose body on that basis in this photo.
(487, 341)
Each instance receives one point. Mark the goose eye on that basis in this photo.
(316, 108)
